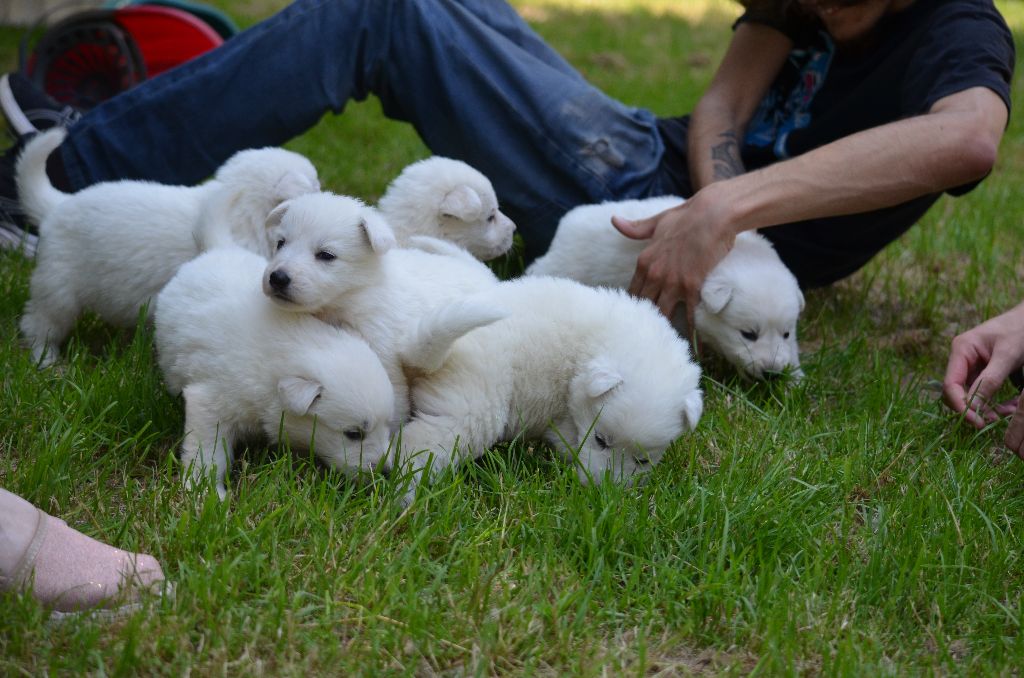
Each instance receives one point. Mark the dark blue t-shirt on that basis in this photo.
(930, 50)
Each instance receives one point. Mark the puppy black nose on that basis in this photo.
(279, 280)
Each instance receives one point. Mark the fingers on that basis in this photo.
(958, 375)
(691, 300)
(1014, 438)
(1007, 408)
(667, 302)
(955, 397)
(636, 285)
(640, 229)
(979, 397)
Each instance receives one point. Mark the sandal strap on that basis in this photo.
(23, 572)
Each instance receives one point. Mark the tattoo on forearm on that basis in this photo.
(726, 157)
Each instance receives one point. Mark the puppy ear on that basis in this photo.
(715, 295)
(276, 214)
(693, 407)
(599, 378)
(462, 202)
(293, 184)
(298, 394)
(378, 231)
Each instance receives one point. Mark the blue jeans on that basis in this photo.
(472, 77)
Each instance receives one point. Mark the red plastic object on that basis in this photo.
(166, 36)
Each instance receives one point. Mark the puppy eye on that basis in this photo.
(642, 461)
(785, 335)
(492, 218)
(749, 335)
(355, 434)
(324, 255)
(601, 441)
(280, 243)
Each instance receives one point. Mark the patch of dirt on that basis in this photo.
(609, 61)
(698, 60)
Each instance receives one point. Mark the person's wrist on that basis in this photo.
(726, 215)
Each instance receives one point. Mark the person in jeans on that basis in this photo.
(833, 125)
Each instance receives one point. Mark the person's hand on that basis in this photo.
(1015, 433)
(685, 243)
(979, 362)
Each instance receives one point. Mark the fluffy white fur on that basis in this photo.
(247, 367)
(750, 302)
(337, 258)
(600, 375)
(111, 247)
(447, 199)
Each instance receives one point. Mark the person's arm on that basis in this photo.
(753, 59)
(954, 143)
(980, 360)
(718, 121)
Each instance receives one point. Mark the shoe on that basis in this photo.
(70, 572)
(29, 109)
(15, 230)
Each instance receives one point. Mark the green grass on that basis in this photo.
(847, 525)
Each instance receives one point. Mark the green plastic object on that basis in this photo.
(216, 19)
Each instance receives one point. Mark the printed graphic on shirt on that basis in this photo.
(787, 105)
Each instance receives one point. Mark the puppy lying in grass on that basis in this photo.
(749, 304)
(449, 200)
(601, 376)
(336, 258)
(111, 247)
(247, 367)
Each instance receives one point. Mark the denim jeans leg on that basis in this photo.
(262, 87)
(474, 81)
(503, 18)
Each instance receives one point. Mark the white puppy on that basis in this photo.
(750, 302)
(336, 258)
(600, 375)
(447, 199)
(245, 366)
(111, 247)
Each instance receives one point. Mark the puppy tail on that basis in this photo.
(37, 195)
(428, 347)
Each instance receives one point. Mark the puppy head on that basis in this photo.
(268, 176)
(626, 410)
(341, 409)
(449, 199)
(749, 315)
(325, 246)
(469, 217)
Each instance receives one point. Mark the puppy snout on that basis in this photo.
(279, 280)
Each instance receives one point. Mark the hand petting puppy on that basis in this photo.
(686, 242)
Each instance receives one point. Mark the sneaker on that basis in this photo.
(29, 109)
(15, 231)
